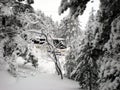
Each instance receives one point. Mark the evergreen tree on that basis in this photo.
(70, 30)
(105, 35)
(86, 71)
(77, 7)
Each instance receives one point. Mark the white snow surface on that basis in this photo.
(42, 78)
(36, 81)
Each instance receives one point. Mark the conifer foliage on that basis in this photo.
(86, 71)
(77, 7)
(70, 29)
(100, 47)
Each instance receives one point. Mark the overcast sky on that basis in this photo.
(50, 8)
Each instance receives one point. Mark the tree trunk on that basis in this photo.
(90, 85)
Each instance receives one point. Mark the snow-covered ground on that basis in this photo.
(30, 78)
(42, 78)
(45, 59)
(41, 81)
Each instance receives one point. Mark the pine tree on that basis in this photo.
(86, 71)
(105, 42)
(70, 30)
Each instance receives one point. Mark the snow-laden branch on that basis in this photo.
(52, 48)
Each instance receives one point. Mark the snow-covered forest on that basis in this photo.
(39, 53)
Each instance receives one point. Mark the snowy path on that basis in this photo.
(38, 82)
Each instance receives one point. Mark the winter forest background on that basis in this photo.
(34, 48)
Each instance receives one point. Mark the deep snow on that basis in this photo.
(36, 81)
(42, 78)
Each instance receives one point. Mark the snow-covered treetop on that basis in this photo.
(77, 7)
